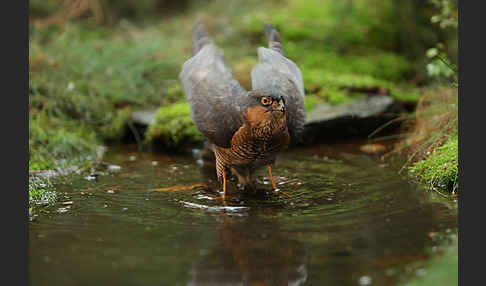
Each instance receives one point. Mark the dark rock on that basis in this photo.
(360, 117)
(137, 126)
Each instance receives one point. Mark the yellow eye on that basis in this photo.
(265, 101)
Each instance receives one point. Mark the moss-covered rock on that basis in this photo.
(173, 127)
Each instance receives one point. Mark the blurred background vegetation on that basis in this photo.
(92, 63)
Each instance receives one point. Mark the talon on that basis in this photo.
(222, 199)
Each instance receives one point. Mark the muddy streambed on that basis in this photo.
(346, 219)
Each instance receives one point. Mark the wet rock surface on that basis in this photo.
(360, 117)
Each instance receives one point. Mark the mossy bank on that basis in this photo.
(439, 170)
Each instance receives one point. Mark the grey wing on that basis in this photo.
(213, 95)
(277, 73)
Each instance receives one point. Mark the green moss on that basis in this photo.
(406, 92)
(175, 91)
(173, 127)
(330, 21)
(311, 102)
(118, 120)
(335, 95)
(350, 26)
(55, 143)
(440, 168)
(379, 65)
(340, 46)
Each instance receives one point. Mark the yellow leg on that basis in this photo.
(274, 186)
(269, 168)
(224, 184)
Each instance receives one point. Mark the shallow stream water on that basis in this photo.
(339, 218)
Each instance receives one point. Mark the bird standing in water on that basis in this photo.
(247, 128)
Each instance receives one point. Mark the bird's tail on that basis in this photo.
(273, 38)
(200, 37)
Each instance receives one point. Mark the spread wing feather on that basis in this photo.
(277, 73)
(214, 96)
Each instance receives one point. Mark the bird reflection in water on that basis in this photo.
(251, 250)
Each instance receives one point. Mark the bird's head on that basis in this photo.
(266, 108)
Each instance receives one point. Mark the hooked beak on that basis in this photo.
(279, 105)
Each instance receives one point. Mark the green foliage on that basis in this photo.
(440, 169)
(447, 14)
(99, 64)
(173, 127)
(438, 68)
(440, 65)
